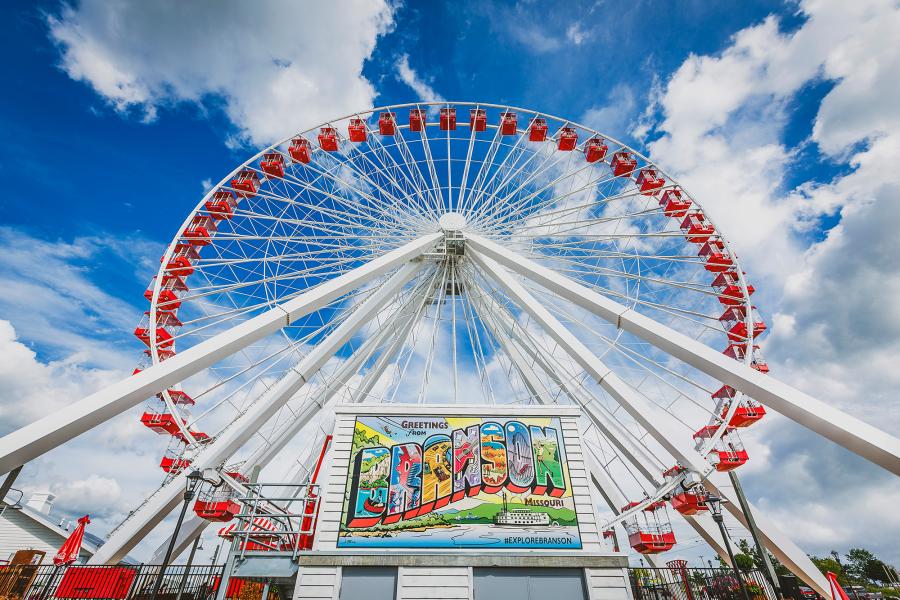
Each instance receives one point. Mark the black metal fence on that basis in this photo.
(77, 582)
(698, 584)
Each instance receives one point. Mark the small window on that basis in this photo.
(529, 584)
(368, 583)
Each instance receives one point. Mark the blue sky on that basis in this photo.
(114, 115)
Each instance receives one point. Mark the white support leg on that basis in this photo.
(33, 440)
(628, 447)
(869, 442)
(235, 435)
(652, 418)
(194, 525)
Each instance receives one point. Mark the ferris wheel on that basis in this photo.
(325, 201)
(460, 253)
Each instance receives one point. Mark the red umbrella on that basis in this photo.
(72, 546)
(837, 592)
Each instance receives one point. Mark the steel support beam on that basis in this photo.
(869, 442)
(194, 526)
(651, 417)
(33, 440)
(143, 520)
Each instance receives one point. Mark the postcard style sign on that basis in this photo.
(450, 482)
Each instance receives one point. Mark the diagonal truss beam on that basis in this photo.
(194, 526)
(652, 418)
(866, 440)
(233, 437)
(43, 435)
(627, 444)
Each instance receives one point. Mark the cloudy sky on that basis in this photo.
(781, 118)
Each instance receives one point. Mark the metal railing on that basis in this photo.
(276, 517)
(108, 582)
(697, 584)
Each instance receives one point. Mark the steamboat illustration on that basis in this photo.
(520, 517)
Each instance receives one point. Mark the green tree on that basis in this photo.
(750, 549)
(831, 564)
(864, 566)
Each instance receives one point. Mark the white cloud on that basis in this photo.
(835, 328)
(93, 495)
(612, 117)
(577, 34)
(407, 75)
(277, 67)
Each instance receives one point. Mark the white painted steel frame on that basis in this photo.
(652, 418)
(143, 520)
(866, 440)
(33, 440)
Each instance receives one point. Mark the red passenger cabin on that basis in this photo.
(200, 230)
(300, 150)
(739, 351)
(417, 119)
(478, 119)
(328, 139)
(221, 205)
(357, 130)
(696, 228)
(651, 533)
(448, 118)
(728, 452)
(674, 203)
(746, 414)
(246, 183)
(567, 139)
(623, 163)
(164, 339)
(387, 123)
(717, 259)
(272, 164)
(173, 463)
(728, 286)
(167, 300)
(508, 123)
(160, 422)
(735, 323)
(537, 131)
(595, 149)
(649, 181)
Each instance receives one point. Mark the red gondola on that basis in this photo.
(221, 205)
(416, 119)
(717, 260)
(272, 164)
(728, 453)
(649, 181)
(200, 230)
(674, 203)
(300, 150)
(746, 414)
(653, 533)
(739, 351)
(328, 139)
(387, 123)
(448, 119)
(623, 163)
(357, 130)
(163, 423)
(173, 463)
(508, 123)
(734, 321)
(595, 149)
(728, 286)
(537, 131)
(696, 228)
(246, 183)
(478, 119)
(163, 337)
(567, 139)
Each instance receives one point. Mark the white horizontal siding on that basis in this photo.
(317, 583)
(19, 532)
(607, 584)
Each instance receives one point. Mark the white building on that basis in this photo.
(31, 526)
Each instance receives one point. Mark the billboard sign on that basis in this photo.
(450, 482)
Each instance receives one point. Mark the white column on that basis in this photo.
(31, 441)
(869, 442)
(652, 418)
(143, 520)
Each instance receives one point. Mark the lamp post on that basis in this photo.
(715, 507)
(192, 482)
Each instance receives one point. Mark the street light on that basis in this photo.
(192, 482)
(715, 507)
